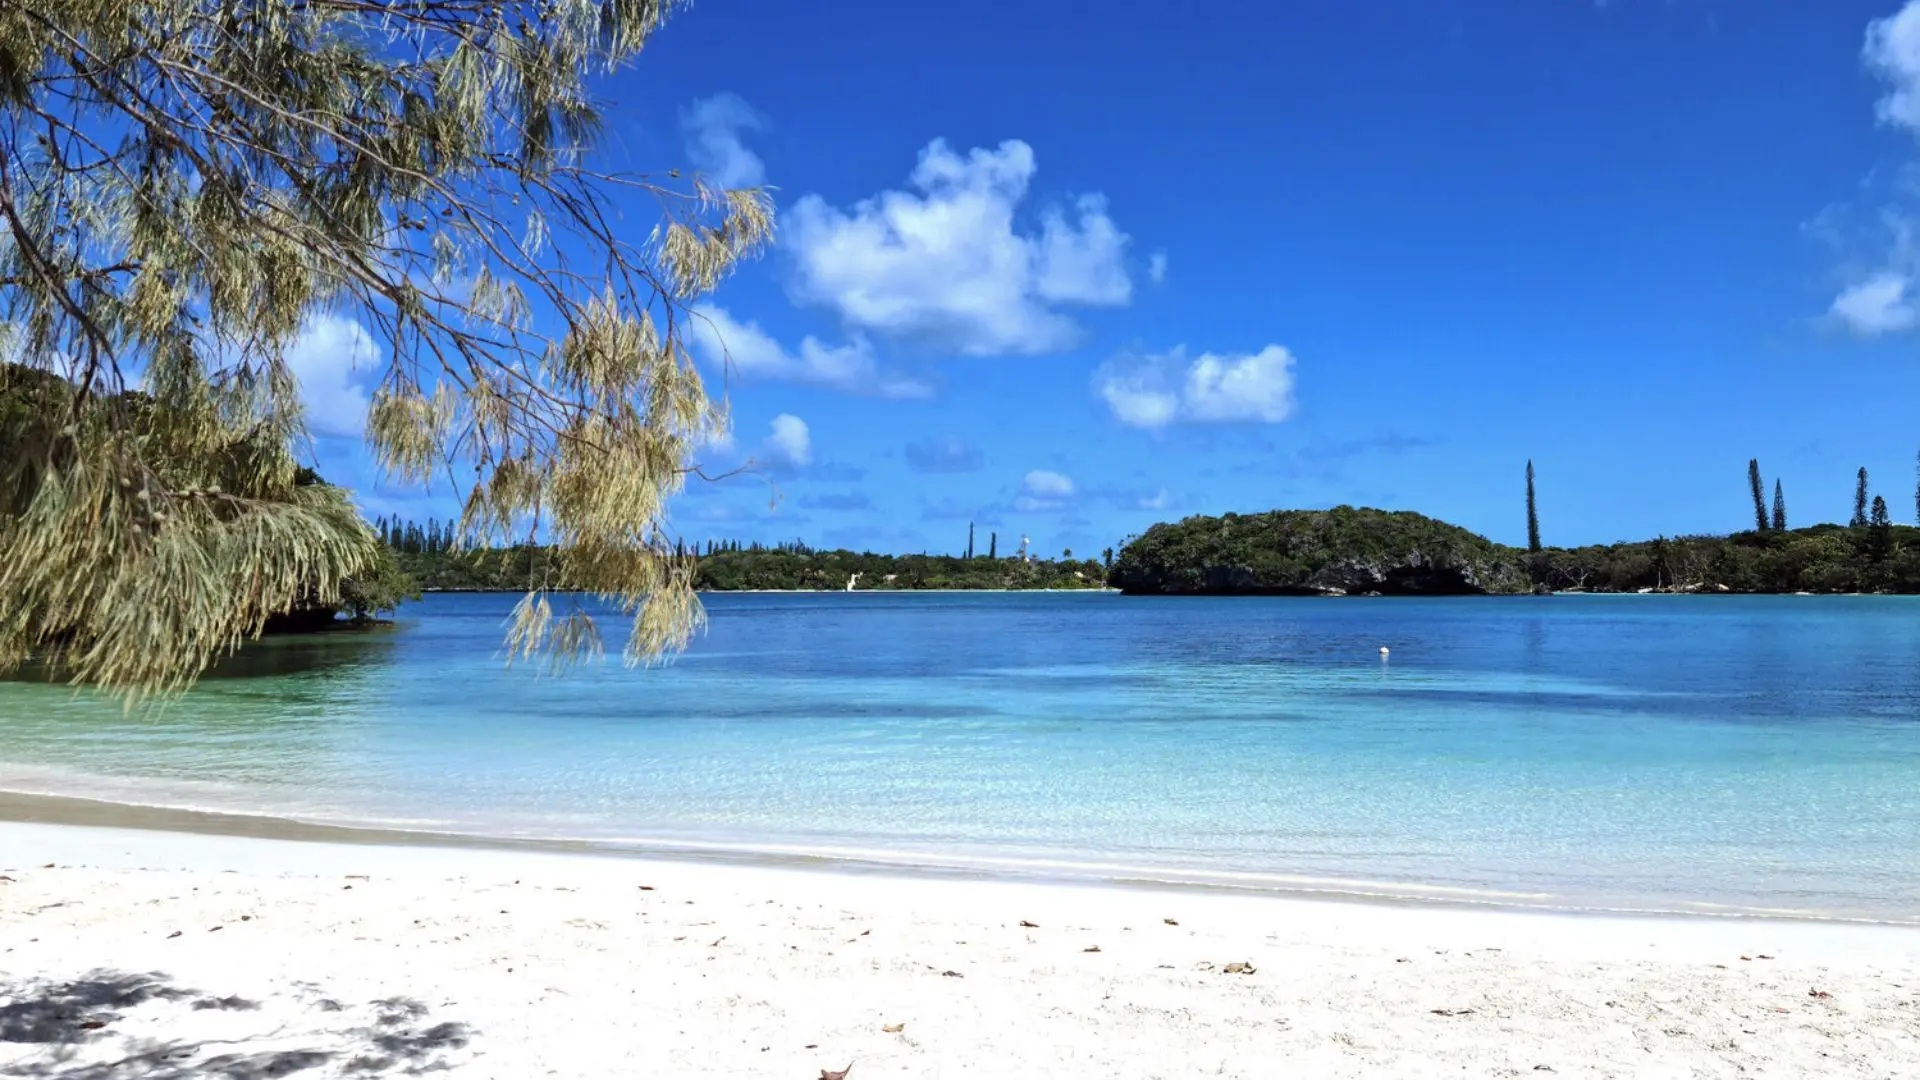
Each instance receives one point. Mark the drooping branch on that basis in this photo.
(186, 184)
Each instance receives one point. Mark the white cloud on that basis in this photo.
(1157, 267)
(713, 128)
(719, 338)
(946, 263)
(1881, 304)
(1043, 490)
(1158, 390)
(329, 350)
(1046, 484)
(1159, 500)
(1881, 264)
(1892, 52)
(789, 443)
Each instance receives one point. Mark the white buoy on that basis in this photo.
(1383, 650)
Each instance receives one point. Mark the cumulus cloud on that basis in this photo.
(1157, 267)
(1882, 260)
(945, 263)
(1043, 490)
(1892, 53)
(1881, 304)
(718, 338)
(1046, 484)
(714, 128)
(944, 454)
(789, 443)
(1155, 391)
(326, 356)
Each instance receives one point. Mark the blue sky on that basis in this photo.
(1066, 271)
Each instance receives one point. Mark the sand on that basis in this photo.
(167, 955)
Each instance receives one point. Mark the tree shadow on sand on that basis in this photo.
(89, 1029)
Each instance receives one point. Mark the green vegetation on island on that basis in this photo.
(1342, 551)
(1363, 551)
(1873, 558)
(1345, 550)
(1870, 554)
(1357, 551)
(428, 556)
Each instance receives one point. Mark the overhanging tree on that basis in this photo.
(185, 184)
(1759, 495)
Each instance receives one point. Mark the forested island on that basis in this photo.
(1350, 550)
(1316, 553)
(1342, 551)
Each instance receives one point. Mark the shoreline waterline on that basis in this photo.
(1597, 757)
(39, 808)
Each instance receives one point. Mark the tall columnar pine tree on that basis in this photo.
(1880, 528)
(969, 541)
(993, 545)
(1759, 495)
(1533, 517)
(1779, 508)
(1916, 487)
(187, 185)
(1859, 519)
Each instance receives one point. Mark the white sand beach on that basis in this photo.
(154, 954)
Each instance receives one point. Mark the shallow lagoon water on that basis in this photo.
(1654, 753)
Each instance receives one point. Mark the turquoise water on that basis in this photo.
(1670, 753)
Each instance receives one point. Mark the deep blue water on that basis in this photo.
(1662, 752)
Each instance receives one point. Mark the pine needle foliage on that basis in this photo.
(185, 184)
(140, 548)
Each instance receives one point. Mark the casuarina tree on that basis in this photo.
(189, 189)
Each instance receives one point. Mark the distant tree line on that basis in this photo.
(1307, 551)
(832, 570)
(413, 538)
(428, 557)
(1869, 554)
